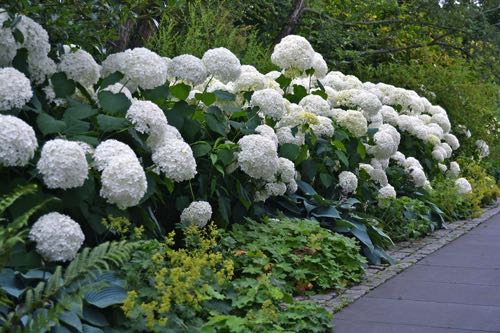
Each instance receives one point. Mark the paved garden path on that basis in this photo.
(455, 289)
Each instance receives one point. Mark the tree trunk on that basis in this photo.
(293, 20)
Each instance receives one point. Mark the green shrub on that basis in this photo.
(194, 289)
(444, 194)
(406, 218)
(201, 25)
(300, 253)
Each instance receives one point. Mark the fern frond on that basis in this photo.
(18, 192)
(54, 283)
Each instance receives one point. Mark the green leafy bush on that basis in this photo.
(300, 253)
(195, 289)
(406, 218)
(445, 196)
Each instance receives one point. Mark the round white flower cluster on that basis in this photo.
(319, 65)
(358, 99)
(463, 186)
(63, 164)
(187, 68)
(315, 104)
(324, 128)
(386, 142)
(270, 103)
(222, 64)
(348, 182)
(18, 142)
(81, 67)
(258, 157)
(15, 89)
(285, 135)
(8, 44)
(197, 213)
(123, 178)
(338, 81)
(482, 148)
(147, 117)
(57, 237)
(386, 192)
(175, 159)
(454, 169)
(249, 81)
(293, 52)
(141, 68)
(354, 121)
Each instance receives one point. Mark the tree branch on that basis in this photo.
(293, 20)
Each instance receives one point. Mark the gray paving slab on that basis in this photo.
(455, 289)
(433, 314)
(376, 327)
(441, 292)
(467, 275)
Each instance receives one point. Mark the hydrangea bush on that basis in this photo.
(162, 140)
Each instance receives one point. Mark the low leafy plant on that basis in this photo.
(300, 253)
(444, 194)
(406, 218)
(194, 289)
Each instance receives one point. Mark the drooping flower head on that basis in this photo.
(198, 213)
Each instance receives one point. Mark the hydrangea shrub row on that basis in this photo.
(162, 140)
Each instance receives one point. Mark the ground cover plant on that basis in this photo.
(112, 172)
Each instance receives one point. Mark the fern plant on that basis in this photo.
(59, 299)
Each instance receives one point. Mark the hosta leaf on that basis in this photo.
(107, 296)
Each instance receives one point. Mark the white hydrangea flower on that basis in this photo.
(384, 146)
(175, 159)
(63, 164)
(463, 186)
(189, 68)
(412, 162)
(387, 192)
(268, 132)
(482, 148)
(258, 157)
(354, 121)
(36, 38)
(438, 154)
(442, 167)
(285, 135)
(339, 81)
(389, 115)
(140, 67)
(15, 89)
(379, 176)
(359, 99)
(399, 157)
(324, 128)
(418, 176)
(147, 117)
(8, 44)
(366, 167)
(316, 104)
(275, 189)
(270, 103)
(442, 120)
(348, 181)
(123, 181)
(286, 170)
(117, 88)
(107, 150)
(249, 81)
(432, 139)
(319, 65)
(197, 213)
(41, 68)
(454, 169)
(18, 142)
(57, 237)
(222, 64)
(426, 119)
(293, 52)
(273, 75)
(451, 140)
(379, 164)
(81, 67)
(158, 139)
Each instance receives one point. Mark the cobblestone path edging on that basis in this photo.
(406, 254)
